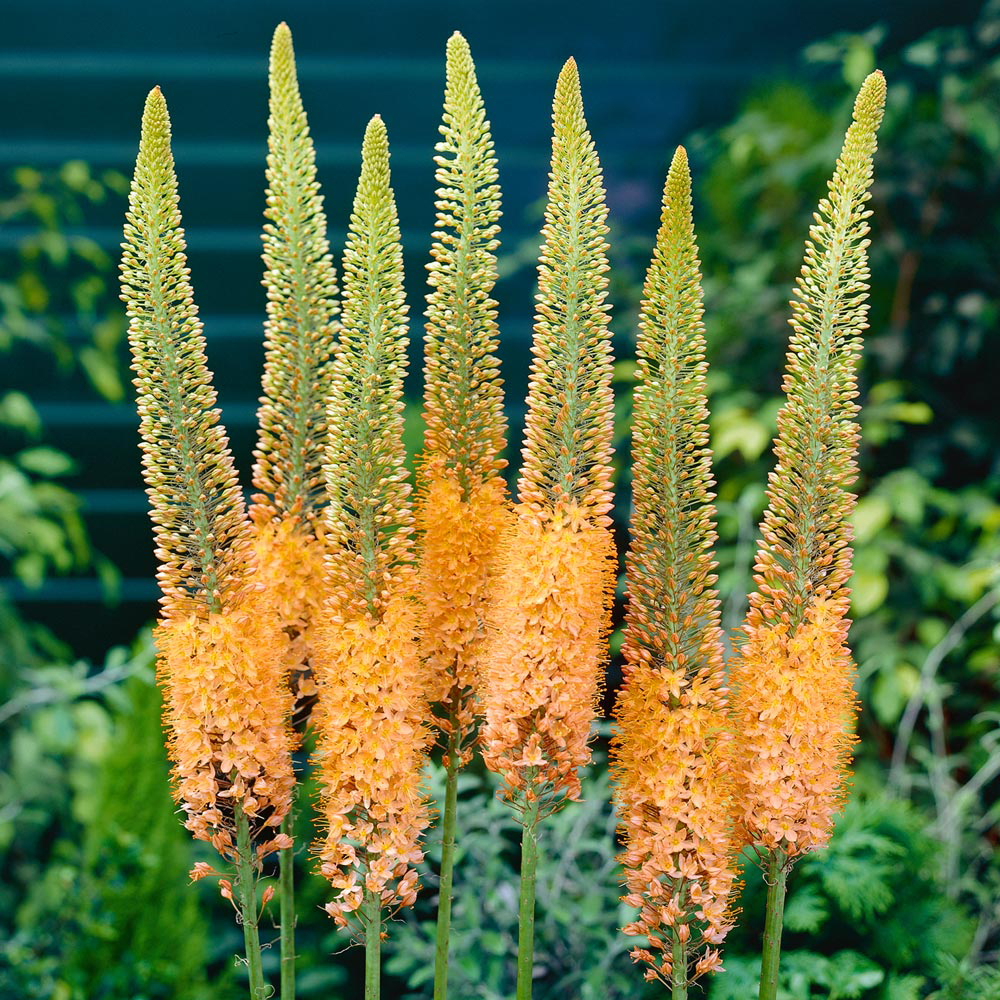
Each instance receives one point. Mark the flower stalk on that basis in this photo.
(794, 705)
(549, 613)
(462, 501)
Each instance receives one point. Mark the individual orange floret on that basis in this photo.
(291, 578)
(459, 541)
(793, 710)
(543, 661)
(675, 797)
(226, 706)
(372, 739)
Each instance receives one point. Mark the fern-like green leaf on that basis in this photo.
(196, 504)
(568, 427)
(368, 519)
(301, 306)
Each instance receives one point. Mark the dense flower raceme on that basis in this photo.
(373, 743)
(794, 709)
(675, 798)
(371, 717)
(290, 570)
(462, 499)
(671, 753)
(546, 648)
(222, 652)
(226, 705)
(460, 532)
(299, 333)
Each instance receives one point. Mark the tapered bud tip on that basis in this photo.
(457, 44)
(281, 42)
(871, 99)
(680, 160)
(155, 117)
(568, 99)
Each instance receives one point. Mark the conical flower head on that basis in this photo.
(670, 756)
(196, 505)
(549, 615)
(805, 548)
(371, 715)
(222, 652)
(369, 521)
(298, 371)
(462, 506)
(793, 701)
(301, 307)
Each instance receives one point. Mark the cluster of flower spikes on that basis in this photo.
(671, 753)
(793, 726)
(549, 614)
(299, 336)
(222, 655)
(371, 717)
(462, 507)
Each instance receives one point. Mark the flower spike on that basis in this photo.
(463, 503)
(370, 719)
(794, 705)
(671, 753)
(221, 652)
(298, 372)
(196, 505)
(551, 606)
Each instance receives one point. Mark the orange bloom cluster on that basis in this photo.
(793, 712)
(372, 739)
(290, 571)
(542, 665)
(226, 706)
(675, 796)
(459, 542)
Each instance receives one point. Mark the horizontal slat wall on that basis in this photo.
(72, 82)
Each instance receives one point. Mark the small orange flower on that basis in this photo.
(543, 660)
(459, 540)
(372, 739)
(794, 709)
(226, 707)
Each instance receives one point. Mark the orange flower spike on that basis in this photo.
(794, 710)
(542, 668)
(222, 663)
(370, 720)
(793, 700)
(670, 756)
(463, 502)
(298, 368)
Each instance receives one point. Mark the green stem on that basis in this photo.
(679, 977)
(447, 869)
(526, 915)
(246, 892)
(373, 944)
(286, 887)
(776, 875)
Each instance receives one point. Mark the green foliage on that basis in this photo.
(865, 918)
(578, 951)
(92, 851)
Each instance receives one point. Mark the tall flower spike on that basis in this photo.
(372, 735)
(463, 505)
(550, 607)
(222, 659)
(196, 505)
(298, 371)
(793, 699)
(670, 755)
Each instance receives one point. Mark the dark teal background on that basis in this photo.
(73, 77)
